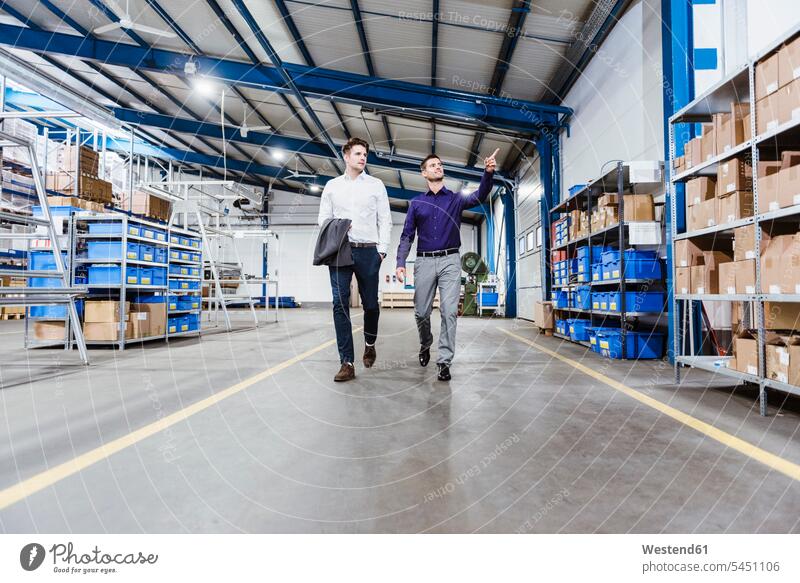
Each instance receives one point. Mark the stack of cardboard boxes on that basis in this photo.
(700, 270)
(727, 130)
(637, 207)
(778, 87)
(726, 198)
(779, 182)
(543, 315)
(147, 205)
(90, 187)
(8, 312)
(102, 320)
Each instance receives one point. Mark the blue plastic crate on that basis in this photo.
(57, 211)
(174, 324)
(148, 233)
(159, 275)
(578, 329)
(194, 243)
(593, 331)
(54, 312)
(195, 257)
(174, 254)
(639, 345)
(180, 284)
(634, 269)
(172, 302)
(134, 230)
(194, 271)
(583, 297)
(105, 274)
(596, 253)
(596, 299)
(148, 299)
(146, 276)
(194, 321)
(133, 275)
(184, 303)
(110, 228)
(575, 188)
(637, 301)
(572, 266)
(44, 260)
(597, 272)
(160, 236)
(610, 255)
(561, 299)
(147, 252)
(490, 299)
(178, 269)
(561, 327)
(111, 250)
(160, 254)
(192, 301)
(185, 256)
(45, 282)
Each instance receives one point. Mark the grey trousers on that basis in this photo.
(444, 273)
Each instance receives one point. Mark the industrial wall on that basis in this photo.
(529, 240)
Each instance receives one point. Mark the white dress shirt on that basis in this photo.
(364, 201)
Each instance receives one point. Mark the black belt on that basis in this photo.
(363, 245)
(441, 253)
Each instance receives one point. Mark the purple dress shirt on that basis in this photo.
(437, 219)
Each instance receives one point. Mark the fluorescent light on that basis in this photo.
(314, 188)
(278, 154)
(205, 87)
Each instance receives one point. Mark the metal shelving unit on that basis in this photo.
(738, 87)
(616, 180)
(197, 248)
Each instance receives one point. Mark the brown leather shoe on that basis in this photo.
(346, 373)
(369, 356)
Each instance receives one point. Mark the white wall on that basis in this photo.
(618, 100)
(768, 20)
(529, 261)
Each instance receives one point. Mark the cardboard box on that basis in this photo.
(729, 132)
(140, 324)
(687, 253)
(703, 215)
(746, 349)
(734, 206)
(679, 164)
(747, 129)
(68, 156)
(688, 154)
(727, 278)
(700, 189)
(697, 151)
(157, 317)
(783, 359)
(49, 330)
(734, 174)
(781, 316)
(683, 280)
(705, 278)
(780, 264)
(744, 243)
(789, 102)
(142, 203)
(639, 207)
(608, 199)
(543, 315)
(789, 62)
(767, 114)
(106, 331)
(89, 187)
(779, 185)
(708, 143)
(768, 186)
(767, 76)
(745, 276)
(103, 311)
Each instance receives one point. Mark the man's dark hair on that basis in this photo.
(428, 157)
(354, 142)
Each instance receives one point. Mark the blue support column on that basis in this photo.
(490, 258)
(548, 171)
(678, 70)
(511, 252)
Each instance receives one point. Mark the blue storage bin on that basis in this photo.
(583, 297)
(57, 211)
(638, 345)
(490, 299)
(172, 302)
(44, 260)
(195, 257)
(637, 301)
(597, 272)
(593, 331)
(148, 233)
(179, 284)
(193, 302)
(111, 250)
(147, 252)
(578, 329)
(110, 228)
(610, 255)
(561, 327)
(178, 269)
(174, 254)
(194, 271)
(596, 253)
(194, 321)
(596, 299)
(45, 282)
(184, 302)
(134, 230)
(185, 256)
(194, 243)
(173, 324)
(148, 299)
(159, 275)
(54, 312)
(572, 265)
(160, 236)
(634, 269)
(575, 188)
(145, 276)
(133, 275)
(105, 274)
(561, 299)
(160, 254)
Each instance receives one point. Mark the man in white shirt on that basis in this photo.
(361, 198)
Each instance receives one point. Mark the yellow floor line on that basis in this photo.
(775, 462)
(18, 492)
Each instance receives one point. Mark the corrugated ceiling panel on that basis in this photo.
(273, 27)
(559, 25)
(400, 49)
(453, 147)
(532, 68)
(467, 58)
(564, 9)
(409, 9)
(488, 15)
(331, 37)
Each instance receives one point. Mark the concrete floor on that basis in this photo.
(517, 442)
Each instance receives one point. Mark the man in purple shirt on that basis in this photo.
(436, 217)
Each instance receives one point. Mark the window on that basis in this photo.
(530, 240)
(521, 246)
(538, 237)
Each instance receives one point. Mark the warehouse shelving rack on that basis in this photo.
(737, 87)
(80, 222)
(616, 180)
(194, 247)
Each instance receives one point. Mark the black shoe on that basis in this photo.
(424, 356)
(444, 372)
(369, 356)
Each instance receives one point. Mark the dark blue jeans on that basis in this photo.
(366, 266)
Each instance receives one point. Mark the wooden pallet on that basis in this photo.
(546, 331)
(12, 316)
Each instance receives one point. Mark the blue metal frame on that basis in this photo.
(479, 110)
(678, 66)
(511, 252)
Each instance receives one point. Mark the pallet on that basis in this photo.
(12, 316)
(546, 331)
